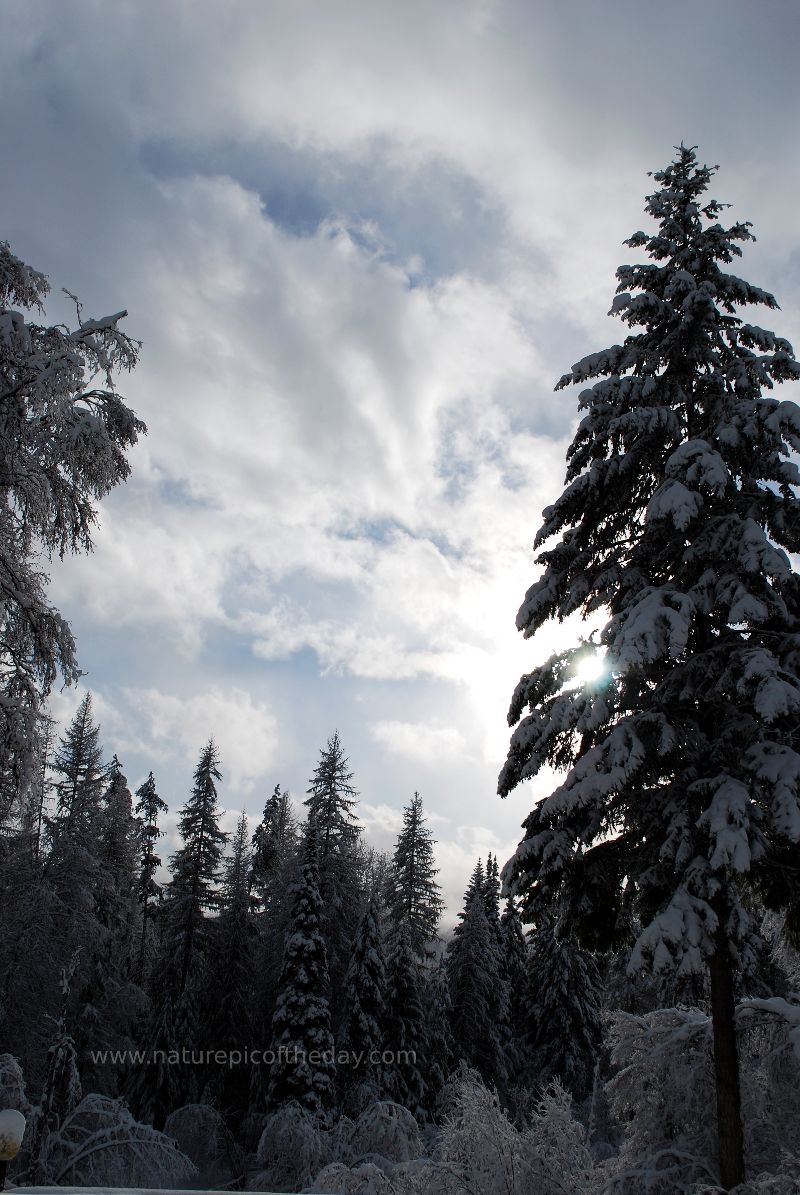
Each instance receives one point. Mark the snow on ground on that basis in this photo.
(110, 1191)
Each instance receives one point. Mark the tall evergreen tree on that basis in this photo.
(514, 965)
(302, 1041)
(78, 764)
(363, 1023)
(74, 876)
(506, 1046)
(149, 808)
(439, 1046)
(491, 890)
(273, 846)
(109, 1001)
(330, 803)
(683, 759)
(118, 850)
(229, 991)
(479, 1004)
(195, 866)
(331, 800)
(562, 1009)
(416, 900)
(274, 868)
(476, 887)
(405, 1027)
(154, 1088)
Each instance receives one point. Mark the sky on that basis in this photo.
(360, 241)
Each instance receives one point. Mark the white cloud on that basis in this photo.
(352, 424)
(457, 856)
(418, 741)
(165, 727)
(381, 822)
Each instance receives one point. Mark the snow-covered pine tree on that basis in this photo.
(304, 1069)
(274, 867)
(330, 803)
(109, 1001)
(365, 993)
(73, 871)
(192, 890)
(682, 761)
(502, 998)
(439, 1050)
(63, 439)
(405, 1037)
(491, 889)
(118, 851)
(475, 887)
(479, 1005)
(229, 991)
(331, 799)
(78, 762)
(514, 960)
(415, 899)
(149, 807)
(563, 1013)
(154, 1087)
(274, 841)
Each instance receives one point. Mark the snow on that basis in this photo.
(699, 464)
(674, 501)
(779, 766)
(654, 626)
(117, 1191)
(728, 821)
(682, 934)
(784, 1010)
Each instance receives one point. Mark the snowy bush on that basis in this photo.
(482, 1153)
(291, 1152)
(200, 1133)
(769, 1034)
(662, 1093)
(12, 1085)
(386, 1129)
(365, 1179)
(663, 1096)
(557, 1139)
(785, 1182)
(99, 1144)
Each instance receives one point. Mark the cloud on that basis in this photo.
(457, 856)
(418, 741)
(164, 727)
(359, 251)
(382, 823)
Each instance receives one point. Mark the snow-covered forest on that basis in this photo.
(284, 1009)
(399, 597)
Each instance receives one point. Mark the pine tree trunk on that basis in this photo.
(726, 1063)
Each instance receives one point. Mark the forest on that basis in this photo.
(284, 1010)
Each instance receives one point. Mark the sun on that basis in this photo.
(590, 668)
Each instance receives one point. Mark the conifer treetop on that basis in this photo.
(332, 796)
(196, 864)
(78, 760)
(415, 899)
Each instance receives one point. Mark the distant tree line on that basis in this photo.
(299, 939)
